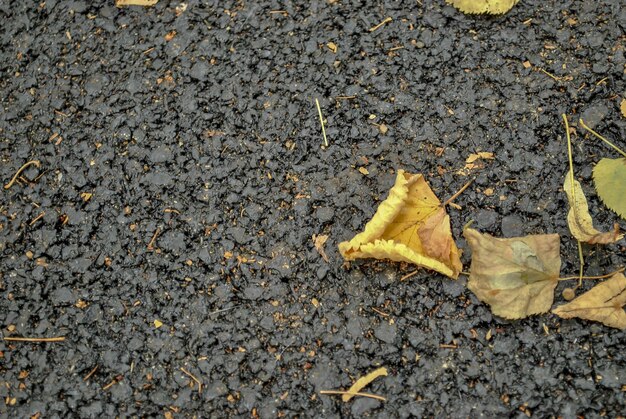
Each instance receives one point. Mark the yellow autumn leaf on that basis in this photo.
(491, 7)
(579, 219)
(622, 107)
(411, 226)
(603, 303)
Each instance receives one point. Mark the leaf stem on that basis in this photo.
(569, 152)
(592, 277)
(582, 264)
(573, 192)
(20, 170)
(456, 195)
(616, 148)
(24, 339)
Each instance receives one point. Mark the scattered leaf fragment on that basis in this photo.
(609, 177)
(491, 7)
(411, 226)
(364, 171)
(515, 276)
(579, 219)
(158, 323)
(622, 107)
(120, 3)
(318, 241)
(170, 35)
(332, 46)
(472, 162)
(362, 382)
(603, 303)
(480, 155)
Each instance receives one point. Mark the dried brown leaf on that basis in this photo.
(579, 219)
(603, 303)
(318, 241)
(515, 276)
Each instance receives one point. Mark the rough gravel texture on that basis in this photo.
(182, 179)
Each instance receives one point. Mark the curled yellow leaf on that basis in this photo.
(579, 219)
(411, 226)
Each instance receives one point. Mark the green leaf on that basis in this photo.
(609, 176)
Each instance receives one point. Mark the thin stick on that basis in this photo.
(92, 372)
(319, 111)
(154, 236)
(37, 218)
(456, 195)
(193, 377)
(20, 170)
(384, 22)
(407, 276)
(571, 178)
(341, 393)
(593, 277)
(224, 309)
(616, 148)
(550, 75)
(382, 313)
(116, 380)
(21, 339)
(582, 264)
(448, 346)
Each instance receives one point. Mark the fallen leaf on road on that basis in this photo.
(579, 219)
(411, 226)
(515, 276)
(609, 177)
(603, 303)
